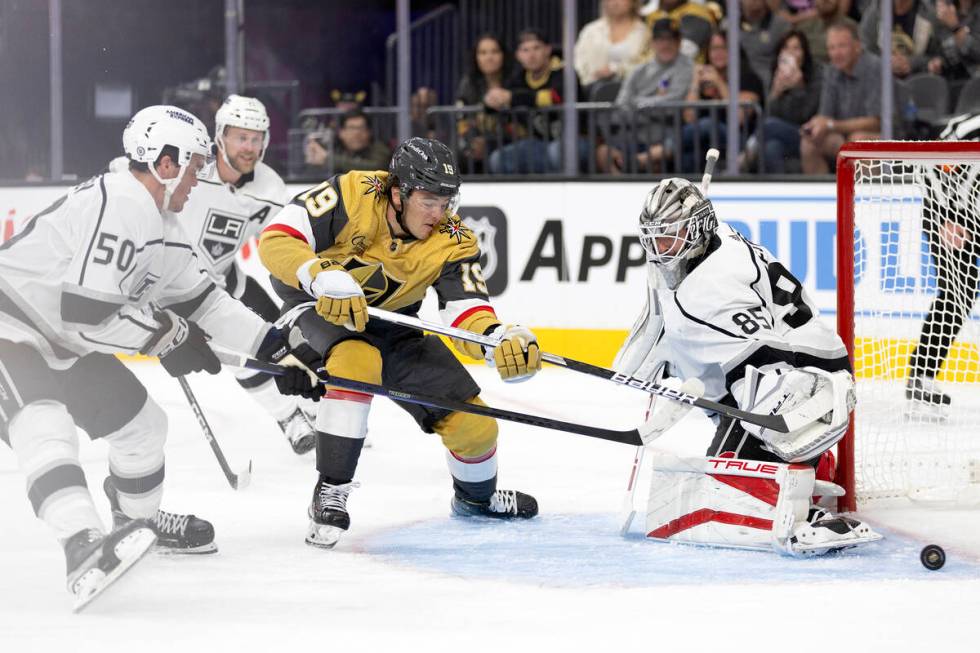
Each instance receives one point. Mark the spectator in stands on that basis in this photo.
(760, 30)
(665, 78)
(354, 149)
(537, 84)
(794, 97)
(850, 101)
(490, 67)
(696, 21)
(423, 125)
(958, 34)
(913, 41)
(704, 129)
(815, 28)
(613, 45)
(793, 12)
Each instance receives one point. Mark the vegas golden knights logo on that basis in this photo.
(373, 279)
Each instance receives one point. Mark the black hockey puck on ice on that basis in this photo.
(933, 557)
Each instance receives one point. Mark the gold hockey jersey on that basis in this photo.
(342, 222)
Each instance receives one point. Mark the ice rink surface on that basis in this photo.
(409, 577)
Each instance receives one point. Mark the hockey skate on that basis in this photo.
(95, 561)
(503, 504)
(329, 519)
(177, 534)
(823, 533)
(299, 431)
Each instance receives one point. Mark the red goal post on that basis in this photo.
(895, 160)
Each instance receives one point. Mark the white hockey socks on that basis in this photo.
(44, 438)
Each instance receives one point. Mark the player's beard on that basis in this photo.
(241, 165)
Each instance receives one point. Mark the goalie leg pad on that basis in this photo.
(728, 502)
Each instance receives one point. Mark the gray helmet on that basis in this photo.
(675, 209)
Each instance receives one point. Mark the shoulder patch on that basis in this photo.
(374, 185)
(454, 228)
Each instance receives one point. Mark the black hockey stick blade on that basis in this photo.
(238, 481)
(631, 436)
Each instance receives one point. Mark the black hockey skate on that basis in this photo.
(328, 514)
(183, 534)
(95, 561)
(503, 504)
(299, 431)
(926, 391)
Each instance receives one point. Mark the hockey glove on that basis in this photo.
(300, 360)
(182, 346)
(517, 357)
(340, 299)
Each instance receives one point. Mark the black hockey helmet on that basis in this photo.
(424, 164)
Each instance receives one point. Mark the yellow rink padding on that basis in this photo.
(888, 358)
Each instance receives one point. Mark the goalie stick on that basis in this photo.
(780, 423)
(632, 436)
(237, 481)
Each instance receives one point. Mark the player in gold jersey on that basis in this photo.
(382, 239)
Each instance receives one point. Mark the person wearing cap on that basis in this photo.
(665, 78)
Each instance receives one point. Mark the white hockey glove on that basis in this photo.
(340, 299)
(815, 404)
(517, 357)
(670, 411)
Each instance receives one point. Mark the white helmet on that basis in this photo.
(158, 126)
(244, 112)
(676, 209)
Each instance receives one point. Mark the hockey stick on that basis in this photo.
(710, 159)
(237, 481)
(632, 436)
(775, 422)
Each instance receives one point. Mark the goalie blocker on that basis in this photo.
(750, 504)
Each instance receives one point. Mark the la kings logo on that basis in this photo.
(221, 236)
(489, 224)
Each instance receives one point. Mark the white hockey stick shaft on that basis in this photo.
(774, 422)
(710, 159)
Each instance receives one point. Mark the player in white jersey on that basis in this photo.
(107, 269)
(230, 206)
(723, 310)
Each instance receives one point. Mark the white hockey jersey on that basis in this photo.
(738, 306)
(84, 275)
(220, 218)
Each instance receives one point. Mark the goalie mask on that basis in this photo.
(676, 223)
(159, 126)
(244, 112)
(425, 164)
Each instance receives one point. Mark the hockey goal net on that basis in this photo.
(908, 224)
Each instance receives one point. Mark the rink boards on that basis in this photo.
(564, 258)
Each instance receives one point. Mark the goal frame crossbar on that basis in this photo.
(938, 152)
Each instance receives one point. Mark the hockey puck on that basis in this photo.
(933, 557)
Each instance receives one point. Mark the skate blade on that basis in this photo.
(322, 536)
(204, 549)
(920, 412)
(130, 550)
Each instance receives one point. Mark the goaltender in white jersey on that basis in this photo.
(722, 310)
(107, 269)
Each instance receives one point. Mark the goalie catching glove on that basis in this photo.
(816, 405)
(301, 362)
(339, 299)
(517, 356)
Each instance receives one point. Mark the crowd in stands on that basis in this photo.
(809, 80)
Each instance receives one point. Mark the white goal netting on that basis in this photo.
(916, 331)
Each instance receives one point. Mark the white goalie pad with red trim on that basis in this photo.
(730, 502)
